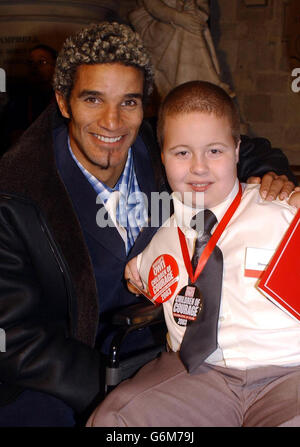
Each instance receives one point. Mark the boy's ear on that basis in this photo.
(62, 104)
(237, 151)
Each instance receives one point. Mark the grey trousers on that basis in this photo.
(163, 394)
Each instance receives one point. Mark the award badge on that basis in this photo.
(187, 305)
(163, 278)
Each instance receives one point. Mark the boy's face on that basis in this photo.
(200, 156)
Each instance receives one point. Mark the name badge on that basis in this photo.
(256, 261)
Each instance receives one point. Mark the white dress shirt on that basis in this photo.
(252, 331)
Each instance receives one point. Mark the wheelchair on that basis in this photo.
(117, 365)
(125, 321)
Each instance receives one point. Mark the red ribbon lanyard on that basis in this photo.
(212, 241)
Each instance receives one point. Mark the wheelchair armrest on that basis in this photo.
(139, 315)
(126, 320)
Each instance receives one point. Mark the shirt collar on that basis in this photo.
(184, 213)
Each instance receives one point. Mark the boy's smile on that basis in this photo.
(200, 156)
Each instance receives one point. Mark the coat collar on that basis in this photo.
(84, 197)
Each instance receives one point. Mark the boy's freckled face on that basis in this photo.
(200, 156)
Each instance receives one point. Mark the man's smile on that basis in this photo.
(105, 139)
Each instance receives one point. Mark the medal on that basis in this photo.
(185, 310)
(187, 305)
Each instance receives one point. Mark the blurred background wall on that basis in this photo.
(257, 43)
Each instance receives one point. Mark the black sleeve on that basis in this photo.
(40, 355)
(257, 158)
(147, 132)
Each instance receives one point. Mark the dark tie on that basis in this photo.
(200, 338)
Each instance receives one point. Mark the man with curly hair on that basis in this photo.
(62, 258)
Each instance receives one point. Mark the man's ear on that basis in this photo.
(62, 104)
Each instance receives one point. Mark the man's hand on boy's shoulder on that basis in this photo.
(273, 186)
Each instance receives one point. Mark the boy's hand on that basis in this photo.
(131, 272)
(295, 198)
(273, 186)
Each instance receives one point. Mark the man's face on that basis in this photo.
(200, 156)
(105, 115)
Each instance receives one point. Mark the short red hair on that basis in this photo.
(198, 96)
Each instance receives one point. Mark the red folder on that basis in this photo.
(281, 279)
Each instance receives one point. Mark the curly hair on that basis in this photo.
(106, 42)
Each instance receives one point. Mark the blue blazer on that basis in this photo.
(105, 245)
